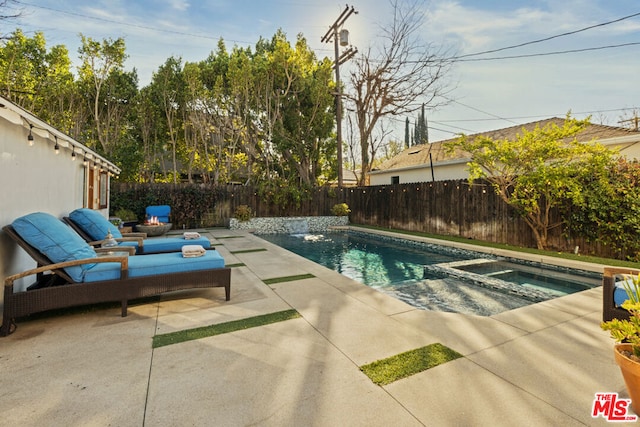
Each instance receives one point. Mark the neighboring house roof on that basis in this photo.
(21, 117)
(419, 155)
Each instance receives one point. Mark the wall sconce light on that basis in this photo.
(85, 161)
(73, 154)
(56, 147)
(30, 136)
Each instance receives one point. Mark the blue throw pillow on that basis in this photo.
(56, 240)
(94, 224)
(620, 294)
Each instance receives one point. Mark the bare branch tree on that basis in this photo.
(404, 74)
(8, 10)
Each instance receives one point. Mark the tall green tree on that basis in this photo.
(421, 130)
(40, 80)
(203, 98)
(538, 170)
(169, 93)
(263, 116)
(407, 134)
(238, 129)
(149, 129)
(58, 98)
(22, 67)
(299, 109)
(100, 73)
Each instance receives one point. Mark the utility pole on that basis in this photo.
(340, 40)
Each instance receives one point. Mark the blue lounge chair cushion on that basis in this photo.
(171, 244)
(94, 224)
(156, 264)
(162, 212)
(56, 240)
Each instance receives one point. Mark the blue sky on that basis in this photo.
(486, 95)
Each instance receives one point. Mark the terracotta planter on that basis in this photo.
(631, 374)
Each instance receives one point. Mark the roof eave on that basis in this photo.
(21, 117)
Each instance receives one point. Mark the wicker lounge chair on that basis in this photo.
(77, 279)
(611, 293)
(93, 227)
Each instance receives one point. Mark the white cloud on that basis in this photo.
(181, 5)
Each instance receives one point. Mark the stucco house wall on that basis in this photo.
(33, 178)
(421, 173)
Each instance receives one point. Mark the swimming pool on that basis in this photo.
(435, 277)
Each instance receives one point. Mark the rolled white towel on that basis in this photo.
(193, 251)
(191, 235)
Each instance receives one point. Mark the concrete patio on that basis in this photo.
(539, 365)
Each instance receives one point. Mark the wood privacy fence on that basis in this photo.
(449, 207)
(452, 208)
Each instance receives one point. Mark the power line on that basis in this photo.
(461, 58)
(548, 38)
(144, 27)
(478, 110)
(451, 126)
(538, 116)
(562, 52)
(430, 126)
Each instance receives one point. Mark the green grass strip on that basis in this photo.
(275, 280)
(237, 264)
(388, 370)
(222, 328)
(246, 251)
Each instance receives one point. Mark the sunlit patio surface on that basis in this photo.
(539, 365)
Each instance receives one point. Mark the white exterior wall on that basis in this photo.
(442, 172)
(627, 147)
(34, 179)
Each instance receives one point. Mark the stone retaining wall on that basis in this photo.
(291, 225)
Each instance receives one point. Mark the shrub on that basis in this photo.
(125, 215)
(243, 213)
(340, 209)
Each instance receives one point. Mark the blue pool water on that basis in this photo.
(433, 277)
(368, 261)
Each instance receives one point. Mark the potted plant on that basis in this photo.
(626, 333)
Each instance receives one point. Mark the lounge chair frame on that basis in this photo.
(72, 294)
(609, 309)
